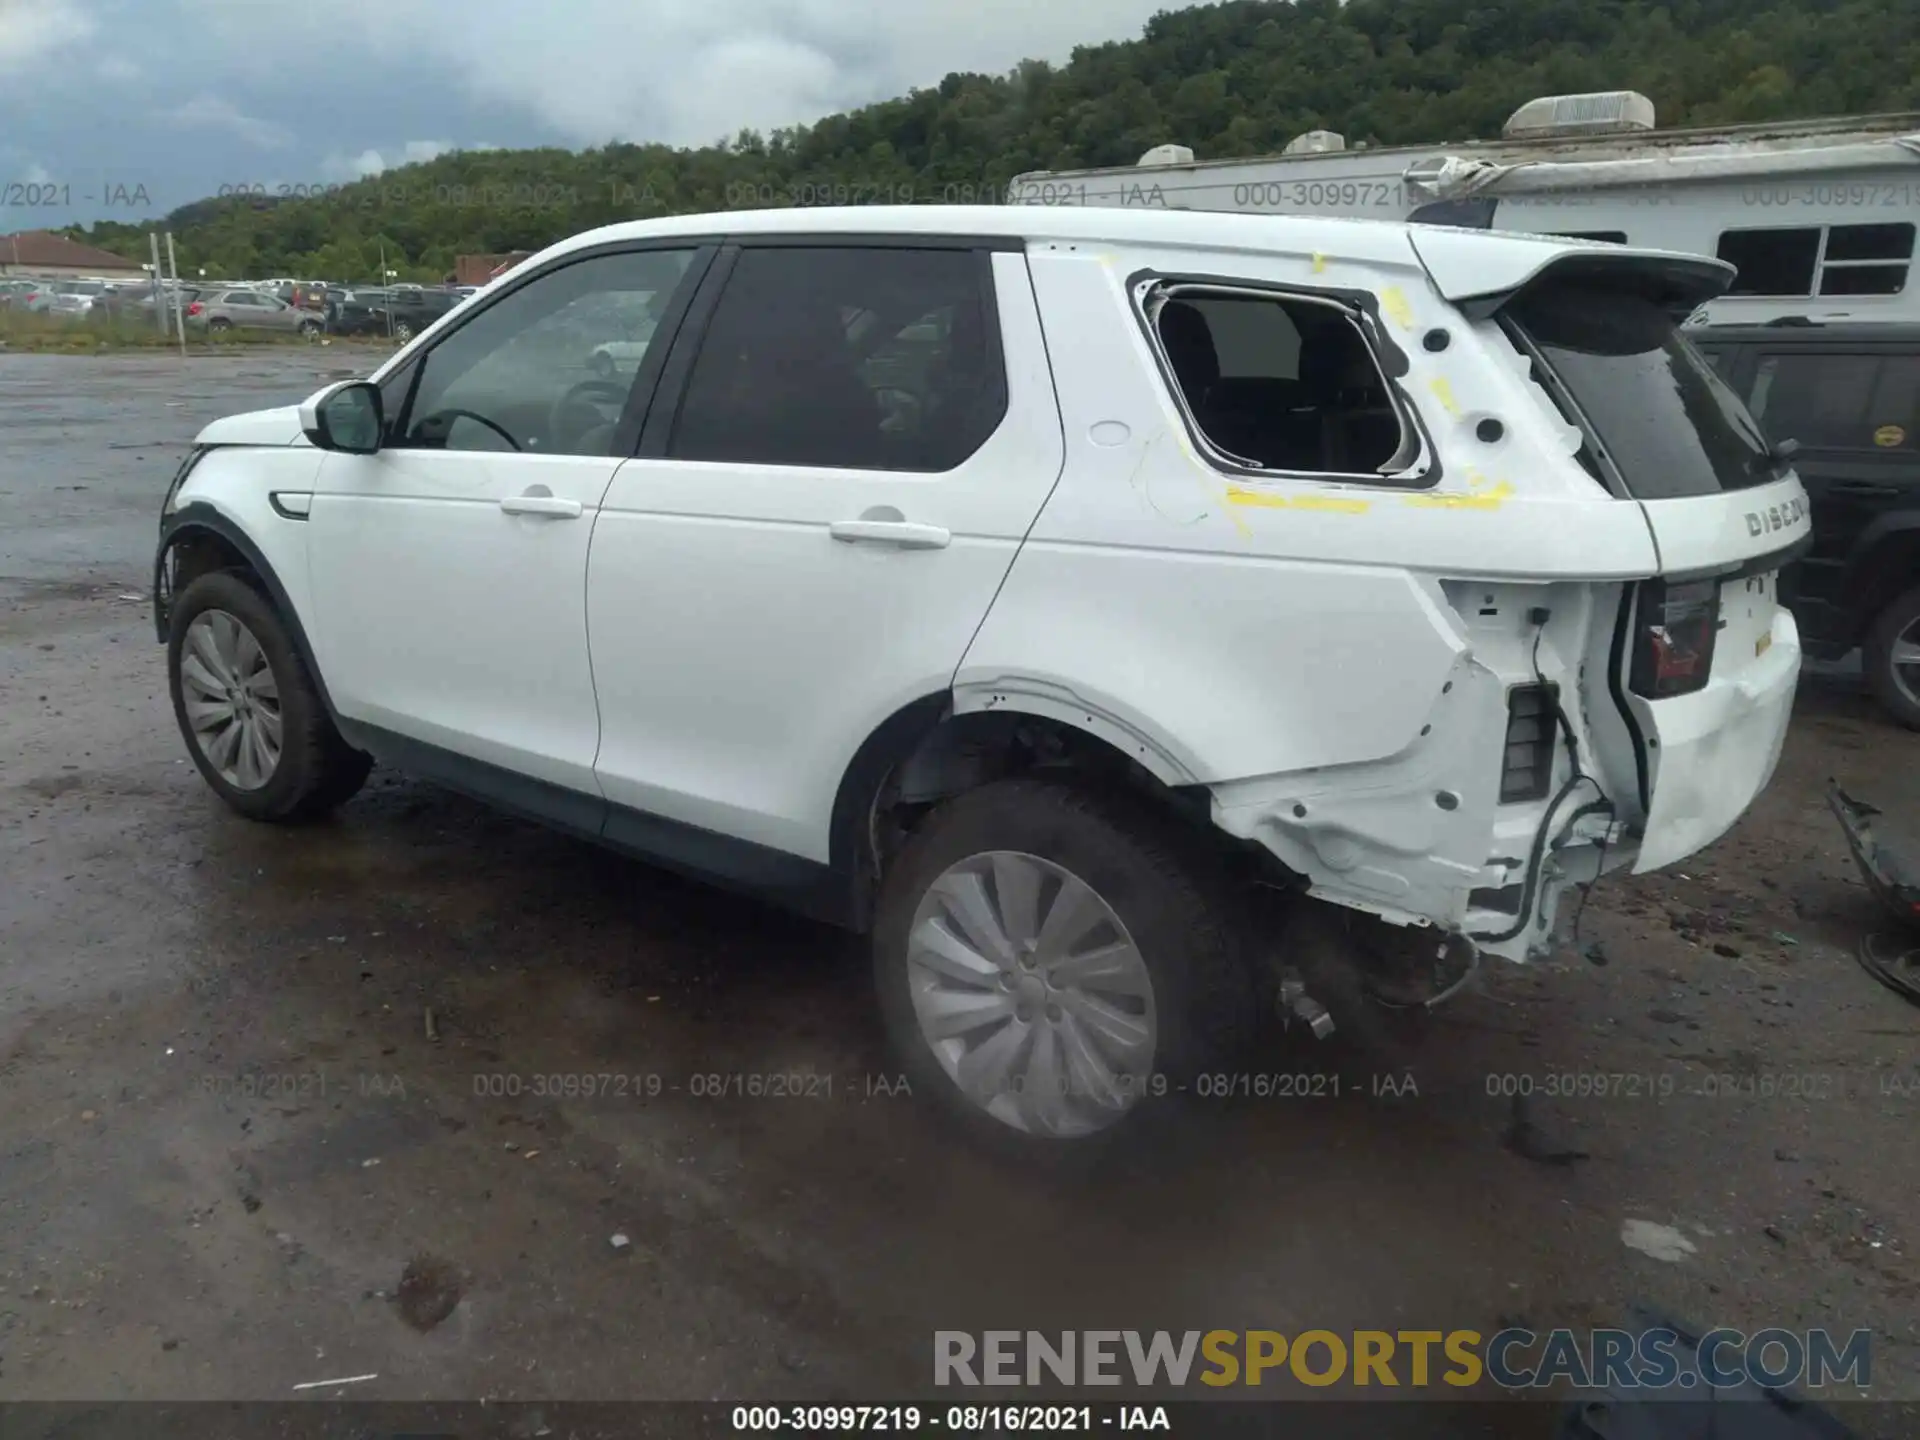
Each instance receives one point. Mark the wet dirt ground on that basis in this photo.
(233, 1159)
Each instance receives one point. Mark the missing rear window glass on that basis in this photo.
(1281, 384)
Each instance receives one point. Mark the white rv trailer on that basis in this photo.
(1818, 215)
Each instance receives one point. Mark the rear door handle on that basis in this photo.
(901, 534)
(541, 501)
(1863, 489)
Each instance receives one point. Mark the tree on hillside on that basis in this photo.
(1232, 79)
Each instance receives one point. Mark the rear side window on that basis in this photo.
(848, 358)
(1651, 400)
(1276, 383)
(1840, 402)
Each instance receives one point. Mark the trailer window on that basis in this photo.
(1846, 259)
(1771, 262)
(1649, 399)
(1279, 384)
(1866, 259)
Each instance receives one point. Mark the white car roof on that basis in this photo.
(1463, 263)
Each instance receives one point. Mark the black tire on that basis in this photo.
(317, 770)
(1188, 930)
(310, 328)
(1900, 617)
(217, 325)
(602, 365)
(402, 331)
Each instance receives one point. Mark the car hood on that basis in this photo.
(280, 426)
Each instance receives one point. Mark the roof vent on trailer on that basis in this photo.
(1315, 142)
(1605, 112)
(1167, 155)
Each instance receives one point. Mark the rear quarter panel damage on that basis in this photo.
(1291, 642)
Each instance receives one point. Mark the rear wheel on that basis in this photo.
(217, 325)
(1892, 658)
(310, 328)
(1052, 962)
(249, 711)
(402, 331)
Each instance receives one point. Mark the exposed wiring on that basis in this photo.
(1540, 615)
(1433, 1001)
(1534, 856)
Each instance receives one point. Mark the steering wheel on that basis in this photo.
(583, 397)
(442, 420)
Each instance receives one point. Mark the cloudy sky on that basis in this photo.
(123, 109)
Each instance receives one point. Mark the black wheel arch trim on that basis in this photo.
(200, 516)
(1860, 608)
(849, 839)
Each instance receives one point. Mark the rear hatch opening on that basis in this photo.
(1703, 659)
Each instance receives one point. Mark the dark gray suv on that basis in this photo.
(1850, 396)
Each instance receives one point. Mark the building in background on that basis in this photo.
(479, 269)
(45, 253)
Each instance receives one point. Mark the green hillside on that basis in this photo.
(1231, 79)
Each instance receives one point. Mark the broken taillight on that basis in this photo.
(1673, 650)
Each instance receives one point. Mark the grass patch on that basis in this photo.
(27, 332)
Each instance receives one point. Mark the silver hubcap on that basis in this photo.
(231, 700)
(1906, 662)
(1031, 994)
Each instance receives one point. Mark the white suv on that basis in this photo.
(1024, 586)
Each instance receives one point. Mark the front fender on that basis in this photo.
(227, 500)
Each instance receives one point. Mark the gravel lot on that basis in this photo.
(232, 1160)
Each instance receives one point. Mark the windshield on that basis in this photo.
(1652, 401)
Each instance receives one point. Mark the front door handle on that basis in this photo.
(1862, 489)
(884, 526)
(538, 500)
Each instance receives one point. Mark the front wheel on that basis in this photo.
(1892, 658)
(1052, 962)
(402, 331)
(251, 715)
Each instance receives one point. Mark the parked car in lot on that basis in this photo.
(43, 298)
(1430, 572)
(68, 306)
(350, 310)
(221, 310)
(1849, 397)
(409, 309)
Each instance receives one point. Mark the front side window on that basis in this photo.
(1670, 424)
(1279, 383)
(850, 358)
(1840, 402)
(521, 375)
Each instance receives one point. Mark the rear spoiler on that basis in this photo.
(1479, 272)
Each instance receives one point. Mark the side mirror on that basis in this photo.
(348, 417)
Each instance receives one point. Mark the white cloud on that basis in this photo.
(693, 71)
(36, 174)
(207, 111)
(117, 67)
(372, 162)
(32, 30)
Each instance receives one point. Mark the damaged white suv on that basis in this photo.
(1024, 587)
